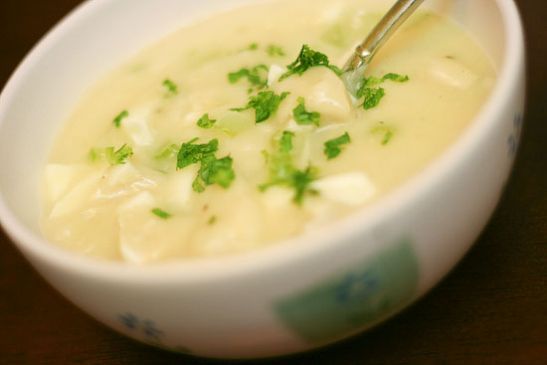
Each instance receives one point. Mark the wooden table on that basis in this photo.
(491, 310)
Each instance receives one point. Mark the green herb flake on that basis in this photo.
(160, 213)
(212, 170)
(275, 51)
(280, 163)
(285, 142)
(396, 77)
(283, 172)
(212, 220)
(372, 97)
(386, 132)
(119, 118)
(191, 153)
(205, 122)
(371, 82)
(304, 117)
(301, 181)
(307, 59)
(333, 148)
(265, 104)
(252, 46)
(171, 87)
(121, 155)
(370, 91)
(111, 155)
(387, 137)
(256, 76)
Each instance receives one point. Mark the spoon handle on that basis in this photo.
(356, 65)
(383, 31)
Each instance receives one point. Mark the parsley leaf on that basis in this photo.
(121, 155)
(304, 117)
(191, 153)
(252, 47)
(301, 181)
(275, 51)
(280, 164)
(372, 97)
(205, 122)
(256, 76)
(307, 59)
(395, 77)
(283, 172)
(265, 104)
(161, 213)
(212, 170)
(372, 81)
(373, 94)
(333, 148)
(119, 118)
(111, 155)
(285, 142)
(171, 87)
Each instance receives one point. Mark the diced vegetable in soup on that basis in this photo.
(237, 132)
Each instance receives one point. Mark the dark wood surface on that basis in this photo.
(491, 310)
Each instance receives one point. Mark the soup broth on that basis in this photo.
(237, 132)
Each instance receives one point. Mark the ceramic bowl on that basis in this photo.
(295, 296)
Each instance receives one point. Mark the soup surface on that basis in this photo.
(237, 131)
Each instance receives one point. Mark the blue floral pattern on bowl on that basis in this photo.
(146, 327)
(147, 331)
(514, 139)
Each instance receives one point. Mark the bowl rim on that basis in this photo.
(285, 251)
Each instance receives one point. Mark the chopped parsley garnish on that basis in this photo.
(333, 148)
(256, 76)
(191, 153)
(265, 104)
(385, 131)
(396, 77)
(205, 122)
(119, 118)
(304, 117)
(307, 59)
(280, 164)
(285, 143)
(283, 172)
(370, 91)
(161, 213)
(275, 51)
(111, 155)
(171, 87)
(372, 96)
(301, 181)
(212, 170)
(252, 47)
(121, 155)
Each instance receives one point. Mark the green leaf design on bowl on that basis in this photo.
(356, 299)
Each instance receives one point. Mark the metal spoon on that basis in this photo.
(355, 68)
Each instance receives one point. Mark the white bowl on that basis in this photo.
(297, 295)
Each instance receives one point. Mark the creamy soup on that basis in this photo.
(237, 132)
